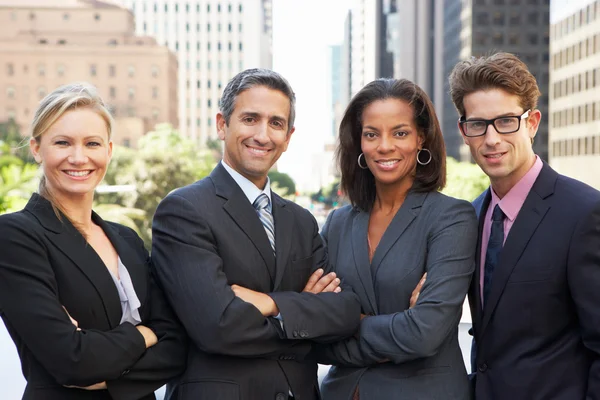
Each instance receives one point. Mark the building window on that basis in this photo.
(155, 114)
(154, 92)
(208, 8)
(496, 39)
(131, 71)
(229, 27)
(41, 70)
(533, 38)
(97, 17)
(62, 42)
(93, 71)
(112, 70)
(41, 92)
(66, 16)
(240, 46)
(10, 69)
(60, 70)
(240, 8)
(208, 84)
(126, 142)
(513, 39)
(131, 93)
(229, 7)
(10, 92)
(113, 92)
(31, 16)
(209, 103)
(218, 7)
(498, 18)
(533, 18)
(154, 71)
(198, 84)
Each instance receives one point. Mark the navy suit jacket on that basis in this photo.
(538, 336)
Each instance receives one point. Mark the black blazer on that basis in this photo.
(206, 237)
(538, 337)
(46, 264)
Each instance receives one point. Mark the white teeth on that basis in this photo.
(78, 173)
(387, 163)
(257, 151)
(494, 156)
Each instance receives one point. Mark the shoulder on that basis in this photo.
(440, 205)
(576, 192)
(17, 221)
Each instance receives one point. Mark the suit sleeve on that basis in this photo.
(30, 305)
(323, 317)
(161, 362)
(419, 332)
(583, 276)
(190, 270)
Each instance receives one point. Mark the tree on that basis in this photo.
(283, 182)
(464, 180)
(11, 141)
(17, 181)
(163, 162)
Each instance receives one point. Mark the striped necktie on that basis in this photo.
(261, 204)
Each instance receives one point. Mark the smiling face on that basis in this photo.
(74, 154)
(505, 158)
(257, 133)
(390, 141)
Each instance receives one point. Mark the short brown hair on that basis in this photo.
(359, 184)
(499, 71)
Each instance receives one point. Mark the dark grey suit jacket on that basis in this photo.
(430, 233)
(206, 237)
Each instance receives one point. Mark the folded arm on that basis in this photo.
(190, 270)
(30, 305)
(419, 331)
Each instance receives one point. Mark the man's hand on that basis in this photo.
(317, 283)
(97, 386)
(263, 302)
(415, 294)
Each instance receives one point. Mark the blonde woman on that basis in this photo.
(76, 292)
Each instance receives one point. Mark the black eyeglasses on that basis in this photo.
(505, 124)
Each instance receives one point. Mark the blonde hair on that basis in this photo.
(72, 96)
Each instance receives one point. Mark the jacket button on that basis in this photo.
(303, 334)
(280, 396)
(483, 367)
(295, 334)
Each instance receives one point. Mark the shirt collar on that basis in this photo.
(249, 188)
(512, 202)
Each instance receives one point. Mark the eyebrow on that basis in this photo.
(507, 114)
(395, 127)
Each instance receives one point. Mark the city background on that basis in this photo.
(161, 65)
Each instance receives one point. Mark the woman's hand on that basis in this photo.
(73, 321)
(317, 283)
(97, 386)
(149, 337)
(415, 294)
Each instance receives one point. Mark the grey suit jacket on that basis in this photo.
(403, 353)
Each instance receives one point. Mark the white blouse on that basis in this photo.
(129, 300)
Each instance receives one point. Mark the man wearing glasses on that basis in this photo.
(535, 295)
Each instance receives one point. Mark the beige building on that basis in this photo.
(44, 44)
(575, 94)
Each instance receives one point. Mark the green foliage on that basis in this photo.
(11, 142)
(17, 181)
(284, 183)
(130, 217)
(465, 180)
(163, 162)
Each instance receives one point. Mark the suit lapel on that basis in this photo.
(532, 213)
(284, 224)
(403, 218)
(136, 266)
(481, 205)
(244, 215)
(360, 249)
(73, 245)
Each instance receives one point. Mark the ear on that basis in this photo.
(289, 136)
(34, 146)
(110, 149)
(221, 124)
(464, 138)
(533, 122)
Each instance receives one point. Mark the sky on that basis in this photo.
(302, 33)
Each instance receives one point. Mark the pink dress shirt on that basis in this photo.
(511, 205)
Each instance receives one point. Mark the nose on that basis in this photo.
(385, 144)
(492, 137)
(78, 156)
(261, 135)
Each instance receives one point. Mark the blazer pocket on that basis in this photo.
(209, 389)
(530, 276)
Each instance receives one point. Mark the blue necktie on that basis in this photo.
(261, 204)
(494, 248)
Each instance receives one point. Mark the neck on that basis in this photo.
(389, 198)
(503, 185)
(78, 209)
